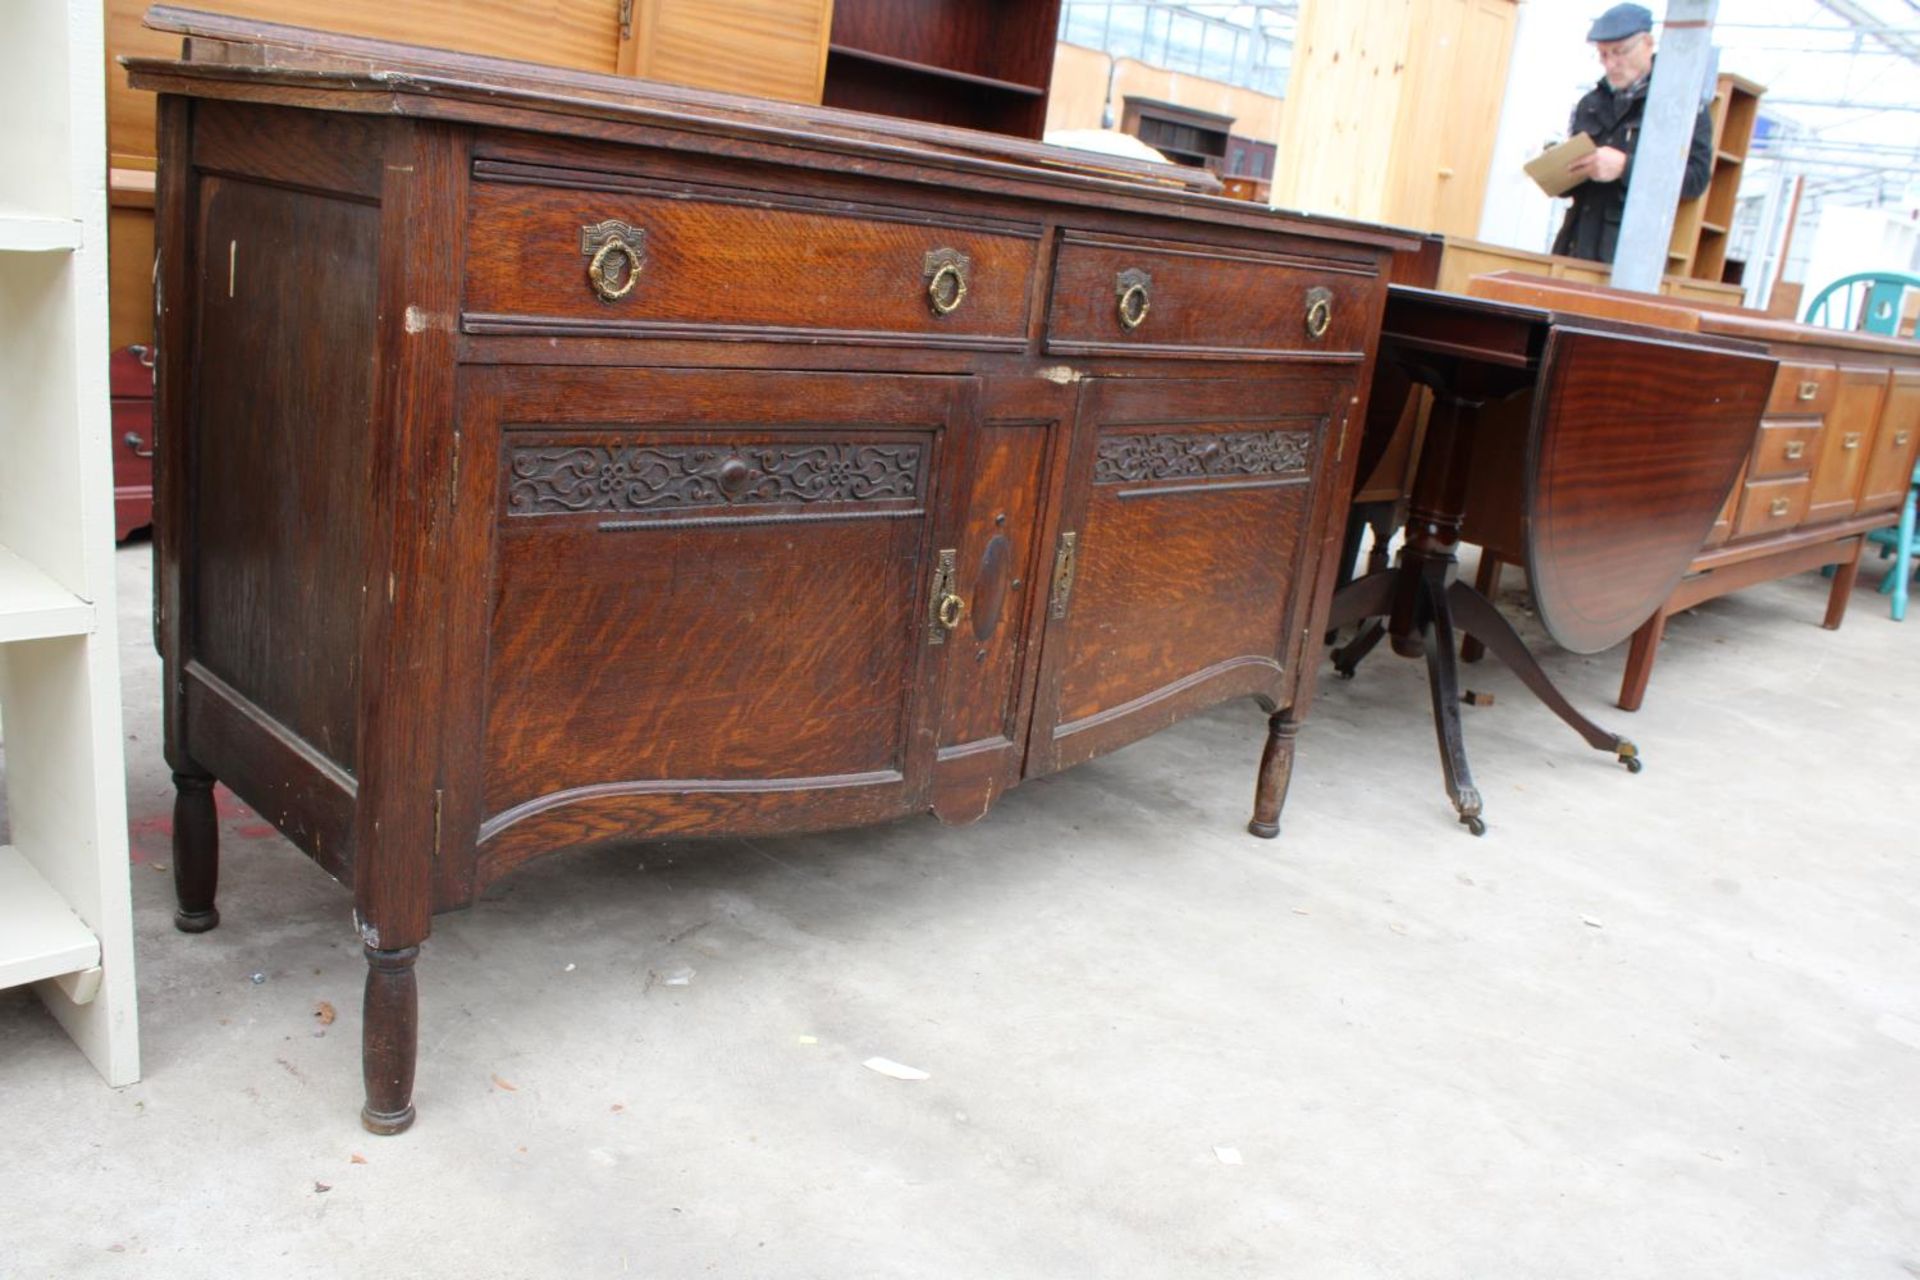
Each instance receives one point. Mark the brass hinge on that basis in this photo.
(626, 19)
(943, 607)
(1063, 566)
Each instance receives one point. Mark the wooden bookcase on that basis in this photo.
(65, 916)
(978, 64)
(1698, 248)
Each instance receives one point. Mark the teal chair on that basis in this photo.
(1899, 543)
(1870, 302)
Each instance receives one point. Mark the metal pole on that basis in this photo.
(1660, 157)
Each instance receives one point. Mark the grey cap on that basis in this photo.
(1619, 22)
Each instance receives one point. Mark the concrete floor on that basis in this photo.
(1654, 1026)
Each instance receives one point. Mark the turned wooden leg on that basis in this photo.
(389, 1039)
(196, 853)
(1640, 655)
(1843, 577)
(1276, 771)
(1487, 583)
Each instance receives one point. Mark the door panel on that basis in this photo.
(1843, 453)
(1890, 465)
(710, 599)
(1190, 508)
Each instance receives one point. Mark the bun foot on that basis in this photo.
(196, 921)
(386, 1125)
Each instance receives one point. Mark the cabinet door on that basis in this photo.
(710, 600)
(1890, 465)
(1013, 460)
(1183, 555)
(1844, 452)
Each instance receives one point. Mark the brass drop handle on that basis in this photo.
(1778, 507)
(1133, 289)
(1319, 312)
(606, 245)
(1851, 440)
(1808, 390)
(946, 271)
(603, 280)
(950, 610)
(133, 442)
(1796, 449)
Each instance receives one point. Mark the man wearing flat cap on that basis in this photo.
(1611, 115)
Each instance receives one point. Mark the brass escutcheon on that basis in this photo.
(1851, 440)
(1063, 566)
(602, 243)
(1319, 312)
(1900, 438)
(1808, 390)
(946, 271)
(944, 607)
(1796, 449)
(1778, 507)
(1134, 290)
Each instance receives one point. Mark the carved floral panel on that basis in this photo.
(1125, 459)
(549, 479)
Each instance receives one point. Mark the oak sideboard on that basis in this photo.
(549, 458)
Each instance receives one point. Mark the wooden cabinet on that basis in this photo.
(694, 473)
(1392, 110)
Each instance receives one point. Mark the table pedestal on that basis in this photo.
(1419, 604)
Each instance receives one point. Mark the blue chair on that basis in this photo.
(1899, 543)
(1870, 302)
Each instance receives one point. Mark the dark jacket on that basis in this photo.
(1592, 228)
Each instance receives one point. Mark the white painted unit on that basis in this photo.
(65, 915)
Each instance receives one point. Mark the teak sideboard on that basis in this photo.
(546, 460)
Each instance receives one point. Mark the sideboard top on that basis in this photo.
(241, 58)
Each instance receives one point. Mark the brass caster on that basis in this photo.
(1629, 756)
(1474, 823)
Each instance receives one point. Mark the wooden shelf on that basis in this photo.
(942, 73)
(35, 607)
(30, 233)
(1727, 157)
(40, 936)
(1713, 227)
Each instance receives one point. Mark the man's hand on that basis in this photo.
(1603, 165)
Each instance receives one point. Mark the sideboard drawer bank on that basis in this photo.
(1829, 460)
(550, 458)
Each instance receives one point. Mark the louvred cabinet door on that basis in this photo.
(1186, 525)
(710, 601)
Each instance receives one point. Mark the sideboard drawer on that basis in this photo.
(1769, 506)
(1784, 449)
(653, 261)
(1803, 388)
(1112, 295)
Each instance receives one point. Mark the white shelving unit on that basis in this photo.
(65, 912)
